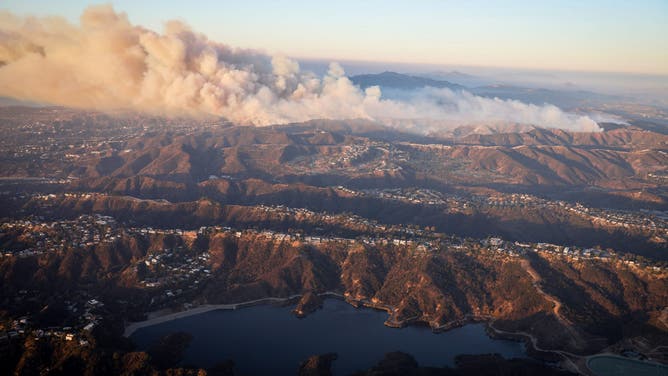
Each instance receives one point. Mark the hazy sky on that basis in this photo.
(595, 35)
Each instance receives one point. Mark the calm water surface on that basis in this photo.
(609, 365)
(270, 340)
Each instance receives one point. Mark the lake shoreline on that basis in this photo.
(134, 326)
(160, 318)
(271, 334)
(532, 350)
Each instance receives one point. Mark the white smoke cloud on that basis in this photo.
(107, 63)
(445, 108)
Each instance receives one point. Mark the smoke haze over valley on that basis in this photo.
(107, 63)
(358, 188)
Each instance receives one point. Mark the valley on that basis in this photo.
(557, 239)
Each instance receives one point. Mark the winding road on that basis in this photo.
(556, 309)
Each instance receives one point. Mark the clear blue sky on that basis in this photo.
(596, 35)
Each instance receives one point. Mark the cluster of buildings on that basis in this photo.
(425, 241)
(84, 316)
(179, 272)
(569, 253)
(174, 266)
(420, 196)
(363, 157)
(619, 218)
(655, 222)
(609, 217)
(31, 237)
(175, 270)
(322, 218)
(61, 135)
(347, 221)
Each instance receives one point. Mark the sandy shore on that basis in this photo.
(158, 317)
(134, 326)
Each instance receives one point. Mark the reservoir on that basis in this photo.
(268, 339)
(612, 365)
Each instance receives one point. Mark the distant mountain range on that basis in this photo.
(400, 81)
(562, 98)
(566, 99)
(6, 102)
(458, 77)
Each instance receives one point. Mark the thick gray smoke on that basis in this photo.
(106, 63)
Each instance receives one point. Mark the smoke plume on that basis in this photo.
(106, 63)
